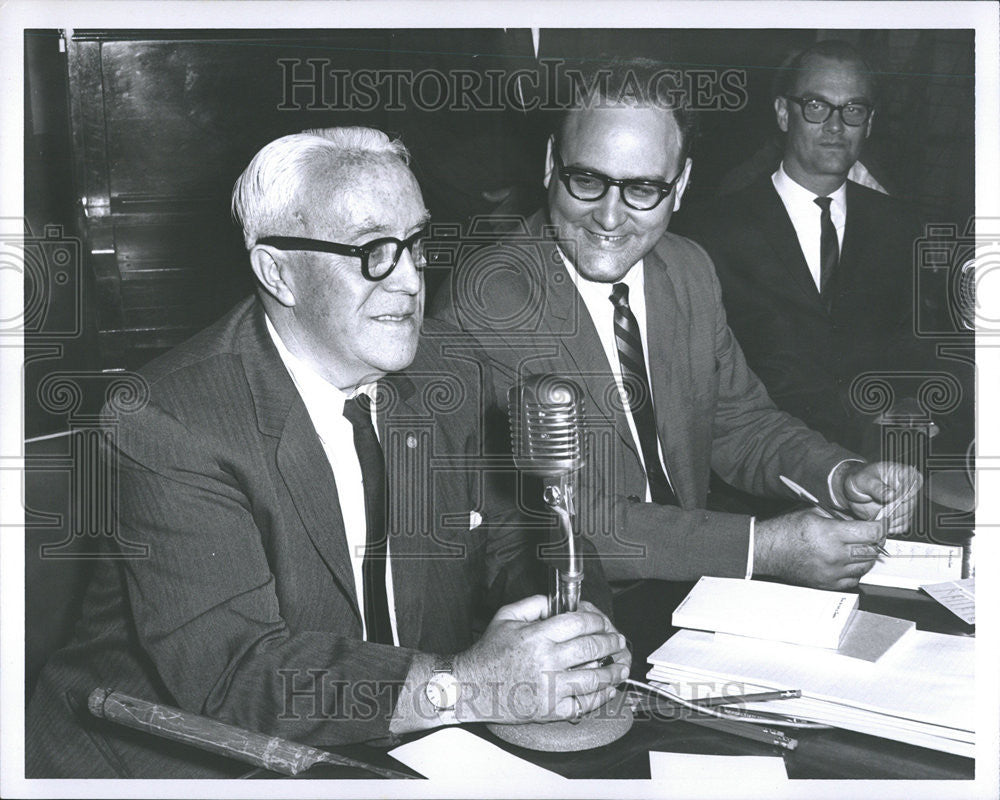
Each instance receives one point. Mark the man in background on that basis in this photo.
(817, 271)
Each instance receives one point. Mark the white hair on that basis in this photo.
(267, 188)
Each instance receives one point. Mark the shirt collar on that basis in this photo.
(315, 390)
(594, 290)
(794, 192)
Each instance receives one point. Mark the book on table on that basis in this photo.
(763, 610)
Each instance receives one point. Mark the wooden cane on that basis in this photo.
(269, 752)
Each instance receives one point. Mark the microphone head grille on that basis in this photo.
(546, 413)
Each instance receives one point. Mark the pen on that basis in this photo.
(748, 731)
(830, 511)
(758, 697)
(768, 717)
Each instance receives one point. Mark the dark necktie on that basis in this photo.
(640, 398)
(358, 411)
(828, 246)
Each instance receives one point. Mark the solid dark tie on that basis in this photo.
(372, 461)
(829, 248)
(640, 398)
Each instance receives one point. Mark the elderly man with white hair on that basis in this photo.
(307, 475)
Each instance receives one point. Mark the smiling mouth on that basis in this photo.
(605, 240)
(393, 317)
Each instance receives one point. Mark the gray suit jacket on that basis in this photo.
(244, 608)
(517, 298)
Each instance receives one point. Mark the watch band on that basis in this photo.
(443, 664)
(442, 689)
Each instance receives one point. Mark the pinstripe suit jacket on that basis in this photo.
(711, 411)
(244, 608)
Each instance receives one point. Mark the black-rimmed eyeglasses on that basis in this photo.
(816, 110)
(639, 193)
(378, 257)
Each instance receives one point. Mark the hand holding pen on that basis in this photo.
(883, 490)
(824, 509)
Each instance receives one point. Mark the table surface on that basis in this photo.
(643, 612)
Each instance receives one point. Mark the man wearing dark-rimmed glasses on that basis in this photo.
(817, 271)
(324, 561)
(596, 289)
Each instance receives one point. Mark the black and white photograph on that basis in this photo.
(437, 399)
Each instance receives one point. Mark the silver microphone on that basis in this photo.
(546, 413)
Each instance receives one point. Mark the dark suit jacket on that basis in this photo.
(516, 296)
(807, 354)
(245, 609)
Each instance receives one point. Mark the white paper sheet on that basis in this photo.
(910, 565)
(453, 754)
(689, 766)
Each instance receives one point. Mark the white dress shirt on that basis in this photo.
(325, 404)
(805, 216)
(597, 300)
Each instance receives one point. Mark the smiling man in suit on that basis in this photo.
(817, 271)
(596, 289)
(322, 556)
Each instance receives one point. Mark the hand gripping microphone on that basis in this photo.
(545, 429)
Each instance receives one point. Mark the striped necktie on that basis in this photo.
(639, 397)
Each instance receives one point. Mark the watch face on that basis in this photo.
(442, 691)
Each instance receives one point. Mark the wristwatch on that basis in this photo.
(443, 688)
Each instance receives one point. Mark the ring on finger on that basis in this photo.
(579, 710)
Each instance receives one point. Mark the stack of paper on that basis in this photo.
(767, 611)
(921, 691)
(910, 565)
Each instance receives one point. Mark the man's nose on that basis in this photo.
(835, 122)
(405, 277)
(611, 210)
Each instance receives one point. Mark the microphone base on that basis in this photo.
(596, 729)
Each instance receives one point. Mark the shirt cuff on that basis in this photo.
(829, 478)
(753, 521)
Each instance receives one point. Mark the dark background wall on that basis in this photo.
(133, 140)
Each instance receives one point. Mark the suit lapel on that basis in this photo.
(856, 235)
(300, 457)
(777, 228)
(572, 326)
(667, 328)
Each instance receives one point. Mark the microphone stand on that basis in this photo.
(564, 594)
(546, 441)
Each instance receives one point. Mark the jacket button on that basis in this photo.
(634, 498)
